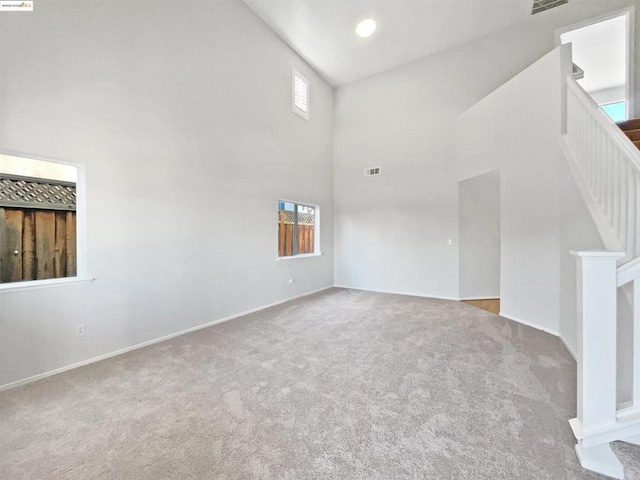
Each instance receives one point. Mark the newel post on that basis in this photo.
(597, 332)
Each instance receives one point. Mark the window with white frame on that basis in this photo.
(297, 229)
(299, 94)
(38, 220)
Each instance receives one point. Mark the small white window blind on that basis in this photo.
(300, 95)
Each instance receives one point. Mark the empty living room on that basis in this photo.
(296, 239)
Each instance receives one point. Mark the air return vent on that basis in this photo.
(368, 172)
(542, 5)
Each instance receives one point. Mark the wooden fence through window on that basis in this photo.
(286, 234)
(36, 244)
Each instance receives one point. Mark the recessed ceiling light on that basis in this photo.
(366, 28)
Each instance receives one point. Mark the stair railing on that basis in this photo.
(606, 166)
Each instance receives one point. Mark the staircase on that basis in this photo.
(604, 159)
(631, 129)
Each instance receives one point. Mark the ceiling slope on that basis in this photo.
(322, 31)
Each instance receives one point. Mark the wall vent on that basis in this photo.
(542, 5)
(368, 172)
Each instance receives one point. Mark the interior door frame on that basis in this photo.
(629, 13)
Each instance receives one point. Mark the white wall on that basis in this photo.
(523, 144)
(542, 213)
(392, 231)
(182, 117)
(609, 95)
(479, 234)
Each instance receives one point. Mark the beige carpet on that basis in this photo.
(339, 385)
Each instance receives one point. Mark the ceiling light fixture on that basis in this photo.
(366, 28)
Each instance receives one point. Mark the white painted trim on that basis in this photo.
(391, 292)
(622, 142)
(478, 298)
(600, 459)
(631, 55)
(628, 426)
(81, 205)
(49, 283)
(529, 324)
(628, 272)
(89, 361)
(508, 317)
(607, 234)
(592, 21)
(566, 344)
(316, 230)
(303, 255)
(629, 13)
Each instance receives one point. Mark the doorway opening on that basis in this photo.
(479, 241)
(603, 49)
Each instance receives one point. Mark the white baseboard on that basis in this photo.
(479, 298)
(530, 324)
(82, 363)
(573, 354)
(546, 330)
(555, 333)
(391, 292)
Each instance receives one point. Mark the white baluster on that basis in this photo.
(636, 343)
(630, 203)
(624, 206)
(636, 186)
(616, 193)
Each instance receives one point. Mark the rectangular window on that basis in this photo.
(38, 228)
(300, 95)
(297, 229)
(617, 111)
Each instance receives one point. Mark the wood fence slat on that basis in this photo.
(45, 243)
(289, 240)
(308, 248)
(305, 238)
(60, 246)
(306, 235)
(11, 233)
(312, 234)
(29, 246)
(71, 244)
(281, 239)
(301, 244)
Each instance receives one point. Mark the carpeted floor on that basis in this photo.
(339, 385)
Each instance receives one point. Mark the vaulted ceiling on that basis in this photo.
(322, 31)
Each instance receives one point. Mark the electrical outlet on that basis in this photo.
(291, 281)
(449, 241)
(80, 330)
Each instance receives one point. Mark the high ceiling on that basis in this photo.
(322, 31)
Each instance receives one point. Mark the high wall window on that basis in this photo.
(299, 95)
(38, 226)
(297, 229)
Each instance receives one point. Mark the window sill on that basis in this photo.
(52, 282)
(304, 255)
